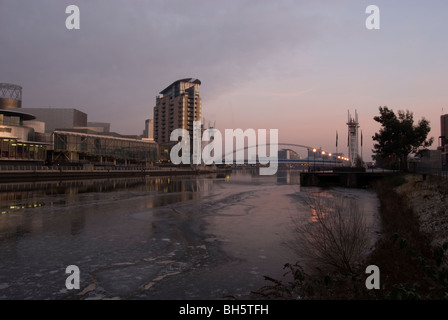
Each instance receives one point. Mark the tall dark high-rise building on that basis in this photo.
(444, 129)
(177, 106)
(443, 140)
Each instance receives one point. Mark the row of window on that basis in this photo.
(10, 120)
(12, 149)
(105, 146)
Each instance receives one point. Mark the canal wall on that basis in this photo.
(61, 174)
(341, 179)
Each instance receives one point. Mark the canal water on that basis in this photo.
(181, 237)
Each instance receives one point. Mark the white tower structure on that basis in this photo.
(353, 126)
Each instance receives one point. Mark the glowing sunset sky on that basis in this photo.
(296, 66)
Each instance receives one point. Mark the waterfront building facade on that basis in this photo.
(177, 107)
(85, 147)
(17, 134)
(288, 154)
(59, 118)
(73, 141)
(148, 132)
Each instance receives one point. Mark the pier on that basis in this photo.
(349, 179)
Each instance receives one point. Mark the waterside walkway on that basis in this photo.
(27, 173)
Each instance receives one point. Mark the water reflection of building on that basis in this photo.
(288, 177)
(17, 133)
(159, 191)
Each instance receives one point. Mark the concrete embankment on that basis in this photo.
(39, 175)
(341, 179)
(410, 252)
(428, 197)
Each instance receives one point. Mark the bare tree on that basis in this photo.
(337, 236)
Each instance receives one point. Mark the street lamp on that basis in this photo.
(314, 163)
(323, 153)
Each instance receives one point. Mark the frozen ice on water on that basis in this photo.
(3, 286)
(123, 264)
(212, 245)
(166, 261)
(254, 272)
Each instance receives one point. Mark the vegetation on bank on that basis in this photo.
(398, 138)
(411, 264)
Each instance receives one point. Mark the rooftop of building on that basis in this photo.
(9, 90)
(16, 113)
(88, 132)
(190, 80)
(53, 109)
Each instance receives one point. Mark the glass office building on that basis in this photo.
(83, 146)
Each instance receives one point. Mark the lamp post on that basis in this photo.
(314, 163)
(323, 154)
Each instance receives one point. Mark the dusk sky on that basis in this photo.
(296, 66)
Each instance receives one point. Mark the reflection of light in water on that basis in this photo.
(24, 206)
(321, 199)
(314, 215)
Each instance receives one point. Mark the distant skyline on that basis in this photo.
(296, 66)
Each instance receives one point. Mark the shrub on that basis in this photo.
(337, 237)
